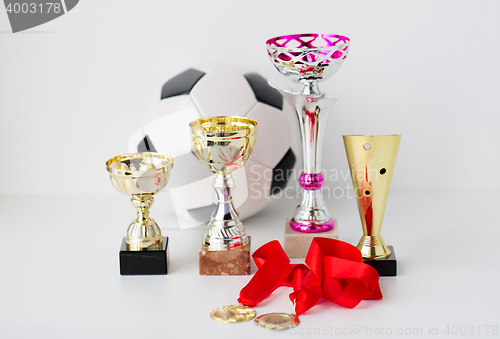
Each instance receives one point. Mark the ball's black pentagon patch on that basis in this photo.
(181, 84)
(282, 172)
(202, 214)
(70, 4)
(146, 145)
(263, 92)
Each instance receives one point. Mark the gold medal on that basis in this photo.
(232, 314)
(277, 321)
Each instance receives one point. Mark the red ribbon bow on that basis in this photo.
(335, 271)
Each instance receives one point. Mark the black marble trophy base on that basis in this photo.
(143, 262)
(385, 268)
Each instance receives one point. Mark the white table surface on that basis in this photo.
(60, 276)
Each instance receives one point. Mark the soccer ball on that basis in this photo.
(218, 91)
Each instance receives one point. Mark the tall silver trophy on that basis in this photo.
(308, 59)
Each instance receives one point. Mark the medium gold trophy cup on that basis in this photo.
(371, 161)
(224, 144)
(141, 176)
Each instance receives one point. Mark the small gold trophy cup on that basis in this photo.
(224, 144)
(141, 176)
(371, 161)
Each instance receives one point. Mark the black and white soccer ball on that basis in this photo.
(218, 91)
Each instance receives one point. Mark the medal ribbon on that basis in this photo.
(334, 270)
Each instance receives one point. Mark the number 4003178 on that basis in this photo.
(25, 7)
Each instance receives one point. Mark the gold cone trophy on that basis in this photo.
(371, 162)
(141, 176)
(224, 144)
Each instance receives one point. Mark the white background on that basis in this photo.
(74, 89)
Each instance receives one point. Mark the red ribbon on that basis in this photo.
(335, 271)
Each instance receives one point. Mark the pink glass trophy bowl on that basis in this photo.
(309, 59)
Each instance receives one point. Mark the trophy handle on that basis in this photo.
(143, 233)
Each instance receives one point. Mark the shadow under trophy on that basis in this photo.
(371, 162)
(308, 59)
(224, 144)
(141, 176)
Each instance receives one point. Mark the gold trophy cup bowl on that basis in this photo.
(224, 144)
(141, 176)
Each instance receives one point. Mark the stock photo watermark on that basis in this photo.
(27, 14)
(365, 330)
(194, 202)
(262, 184)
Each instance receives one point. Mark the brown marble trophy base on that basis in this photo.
(230, 262)
(297, 243)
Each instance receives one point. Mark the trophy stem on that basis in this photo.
(311, 216)
(143, 234)
(225, 230)
(311, 89)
